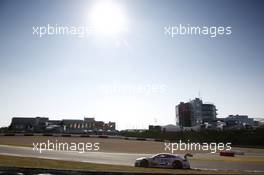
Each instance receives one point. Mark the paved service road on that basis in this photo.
(124, 158)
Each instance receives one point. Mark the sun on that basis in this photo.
(108, 19)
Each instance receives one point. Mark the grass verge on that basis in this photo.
(27, 162)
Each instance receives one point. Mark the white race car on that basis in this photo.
(164, 160)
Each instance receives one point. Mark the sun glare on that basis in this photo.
(108, 19)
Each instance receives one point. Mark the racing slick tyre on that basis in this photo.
(144, 163)
(177, 165)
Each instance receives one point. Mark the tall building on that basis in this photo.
(183, 114)
(208, 112)
(194, 113)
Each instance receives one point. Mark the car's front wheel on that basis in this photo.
(177, 165)
(144, 163)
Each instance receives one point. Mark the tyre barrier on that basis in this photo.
(29, 134)
(45, 134)
(227, 153)
(9, 134)
(103, 136)
(158, 140)
(141, 139)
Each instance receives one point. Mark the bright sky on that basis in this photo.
(109, 74)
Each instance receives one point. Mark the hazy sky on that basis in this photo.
(100, 76)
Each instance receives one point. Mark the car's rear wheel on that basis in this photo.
(177, 165)
(144, 163)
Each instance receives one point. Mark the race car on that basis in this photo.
(164, 160)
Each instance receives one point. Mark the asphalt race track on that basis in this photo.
(123, 158)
